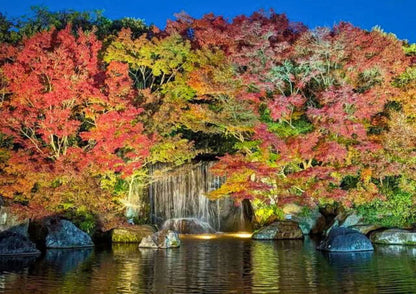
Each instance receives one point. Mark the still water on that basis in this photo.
(218, 265)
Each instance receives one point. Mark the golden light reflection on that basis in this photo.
(241, 235)
(206, 236)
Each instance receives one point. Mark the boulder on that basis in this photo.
(188, 226)
(64, 234)
(353, 221)
(342, 239)
(350, 220)
(394, 237)
(279, 230)
(312, 222)
(131, 234)
(10, 222)
(160, 240)
(366, 229)
(12, 243)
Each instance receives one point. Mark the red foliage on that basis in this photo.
(69, 120)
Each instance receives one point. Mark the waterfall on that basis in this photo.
(181, 193)
(136, 203)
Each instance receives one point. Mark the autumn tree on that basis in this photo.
(317, 129)
(72, 123)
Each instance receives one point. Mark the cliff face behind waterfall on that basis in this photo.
(180, 193)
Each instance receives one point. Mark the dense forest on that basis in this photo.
(323, 116)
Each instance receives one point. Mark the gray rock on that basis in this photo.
(351, 220)
(10, 222)
(12, 243)
(394, 237)
(160, 240)
(279, 230)
(345, 240)
(365, 229)
(312, 222)
(188, 226)
(347, 220)
(64, 234)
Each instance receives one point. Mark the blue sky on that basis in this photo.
(396, 16)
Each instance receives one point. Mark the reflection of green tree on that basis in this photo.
(233, 266)
(285, 265)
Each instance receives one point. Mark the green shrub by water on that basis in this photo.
(398, 210)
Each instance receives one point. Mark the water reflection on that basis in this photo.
(16, 263)
(220, 265)
(199, 264)
(348, 259)
(67, 260)
(397, 250)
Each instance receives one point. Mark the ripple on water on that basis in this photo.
(222, 264)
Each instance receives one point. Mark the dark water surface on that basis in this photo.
(221, 265)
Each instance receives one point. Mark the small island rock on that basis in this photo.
(342, 239)
(160, 240)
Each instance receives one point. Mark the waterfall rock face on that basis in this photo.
(180, 193)
(188, 226)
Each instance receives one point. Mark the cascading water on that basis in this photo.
(179, 193)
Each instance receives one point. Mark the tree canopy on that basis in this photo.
(293, 114)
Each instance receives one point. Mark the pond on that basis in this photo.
(213, 265)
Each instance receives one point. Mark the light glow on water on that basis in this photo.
(239, 235)
(213, 263)
(242, 235)
(205, 236)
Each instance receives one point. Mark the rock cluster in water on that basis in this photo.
(160, 240)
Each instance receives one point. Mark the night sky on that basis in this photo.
(396, 16)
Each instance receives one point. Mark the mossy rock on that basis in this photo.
(279, 230)
(132, 234)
